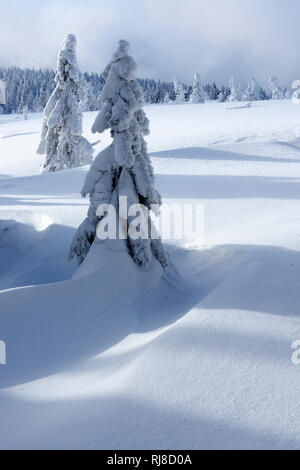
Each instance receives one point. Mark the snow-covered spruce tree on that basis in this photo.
(235, 90)
(276, 91)
(287, 95)
(61, 138)
(254, 91)
(179, 91)
(223, 95)
(167, 98)
(197, 95)
(123, 168)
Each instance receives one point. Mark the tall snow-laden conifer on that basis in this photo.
(123, 168)
(61, 138)
(197, 95)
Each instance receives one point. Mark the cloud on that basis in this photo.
(168, 37)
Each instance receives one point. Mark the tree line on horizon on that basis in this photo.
(30, 89)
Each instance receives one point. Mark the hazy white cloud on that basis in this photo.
(168, 37)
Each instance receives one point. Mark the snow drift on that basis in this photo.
(202, 358)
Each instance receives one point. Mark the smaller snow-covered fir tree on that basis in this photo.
(235, 90)
(212, 91)
(287, 95)
(167, 98)
(61, 138)
(197, 95)
(179, 91)
(123, 169)
(254, 91)
(223, 95)
(91, 100)
(276, 91)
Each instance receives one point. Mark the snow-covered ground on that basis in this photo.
(201, 359)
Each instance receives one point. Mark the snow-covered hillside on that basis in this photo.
(202, 359)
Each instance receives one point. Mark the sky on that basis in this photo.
(216, 38)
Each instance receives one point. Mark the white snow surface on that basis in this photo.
(200, 359)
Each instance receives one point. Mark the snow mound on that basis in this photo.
(111, 258)
(242, 106)
(29, 254)
(16, 235)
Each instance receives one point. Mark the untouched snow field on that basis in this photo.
(201, 359)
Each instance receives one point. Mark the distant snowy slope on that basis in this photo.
(172, 127)
(202, 359)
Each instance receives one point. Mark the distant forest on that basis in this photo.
(30, 89)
